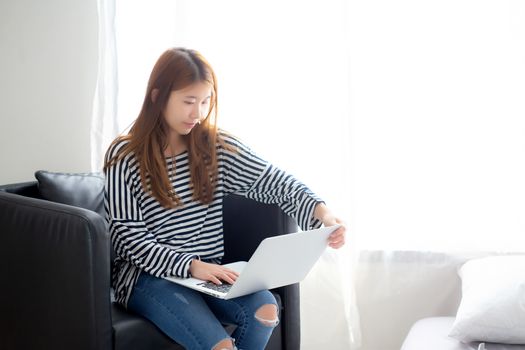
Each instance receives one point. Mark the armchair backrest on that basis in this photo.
(247, 222)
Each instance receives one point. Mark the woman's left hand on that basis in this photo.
(337, 238)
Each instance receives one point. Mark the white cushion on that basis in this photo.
(492, 307)
(432, 334)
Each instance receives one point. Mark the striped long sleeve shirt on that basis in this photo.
(163, 242)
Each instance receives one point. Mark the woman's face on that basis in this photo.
(186, 107)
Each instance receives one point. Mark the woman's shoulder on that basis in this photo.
(230, 142)
(117, 145)
(117, 151)
(235, 149)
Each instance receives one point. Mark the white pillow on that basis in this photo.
(492, 307)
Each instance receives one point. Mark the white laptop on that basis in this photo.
(277, 261)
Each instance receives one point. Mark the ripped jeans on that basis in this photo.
(193, 319)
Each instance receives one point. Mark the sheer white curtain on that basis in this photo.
(282, 68)
(438, 150)
(438, 124)
(104, 125)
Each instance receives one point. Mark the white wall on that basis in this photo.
(48, 67)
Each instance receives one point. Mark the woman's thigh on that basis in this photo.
(179, 312)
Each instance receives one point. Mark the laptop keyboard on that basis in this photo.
(223, 288)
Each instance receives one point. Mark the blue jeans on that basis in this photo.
(193, 319)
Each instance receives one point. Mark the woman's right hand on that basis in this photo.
(212, 272)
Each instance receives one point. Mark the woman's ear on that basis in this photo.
(154, 94)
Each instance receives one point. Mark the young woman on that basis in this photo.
(165, 181)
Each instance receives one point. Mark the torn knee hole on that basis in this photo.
(267, 315)
(225, 344)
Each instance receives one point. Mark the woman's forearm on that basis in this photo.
(321, 212)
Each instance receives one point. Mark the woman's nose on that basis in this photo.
(197, 112)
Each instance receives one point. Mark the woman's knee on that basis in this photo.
(225, 344)
(268, 315)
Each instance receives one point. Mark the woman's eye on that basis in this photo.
(188, 102)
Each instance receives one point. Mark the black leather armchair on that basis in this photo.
(55, 270)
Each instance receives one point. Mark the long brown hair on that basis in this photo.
(147, 139)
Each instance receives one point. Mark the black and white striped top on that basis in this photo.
(162, 242)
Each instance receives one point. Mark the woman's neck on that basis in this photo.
(176, 146)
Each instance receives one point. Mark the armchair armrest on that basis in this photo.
(55, 272)
(28, 189)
